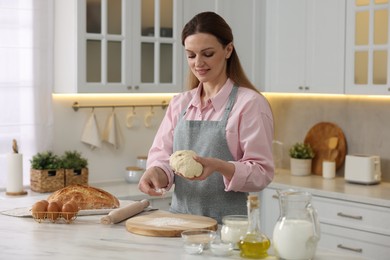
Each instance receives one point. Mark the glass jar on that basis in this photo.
(233, 227)
(141, 162)
(297, 230)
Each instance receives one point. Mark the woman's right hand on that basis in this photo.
(153, 181)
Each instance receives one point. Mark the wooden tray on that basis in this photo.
(165, 224)
(318, 137)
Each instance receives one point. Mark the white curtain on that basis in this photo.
(26, 79)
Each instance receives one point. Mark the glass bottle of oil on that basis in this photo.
(254, 244)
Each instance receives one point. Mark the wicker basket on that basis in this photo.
(76, 176)
(47, 180)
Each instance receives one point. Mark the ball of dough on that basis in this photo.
(183, 162)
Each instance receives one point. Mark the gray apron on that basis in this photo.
(207, 197)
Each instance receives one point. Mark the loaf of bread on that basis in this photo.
(86, 197)
(182, 162)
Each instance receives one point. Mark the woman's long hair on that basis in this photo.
(212, 23)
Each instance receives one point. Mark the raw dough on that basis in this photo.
(183, 162)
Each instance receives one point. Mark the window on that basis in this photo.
(26, 53)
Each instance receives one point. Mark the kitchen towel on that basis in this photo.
(112, 133)
(90, 134)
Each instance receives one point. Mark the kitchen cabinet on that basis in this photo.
(117, 46)
(305, 46)
(367, 45)
(244, 19)
(346, 226)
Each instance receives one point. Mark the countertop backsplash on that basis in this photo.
(363, 119)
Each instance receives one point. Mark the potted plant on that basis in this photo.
(75, 165)
(301, 156)
(46, 174)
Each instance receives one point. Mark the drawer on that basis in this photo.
(353, 215)
(354, 242)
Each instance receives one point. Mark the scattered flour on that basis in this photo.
(159, 222)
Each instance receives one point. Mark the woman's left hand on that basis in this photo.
(211, 165)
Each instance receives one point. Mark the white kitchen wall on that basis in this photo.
(364, 121)
(105, 163)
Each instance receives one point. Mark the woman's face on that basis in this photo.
(207, 58)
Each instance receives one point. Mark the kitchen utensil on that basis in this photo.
(166, 224)
(133, 174)
(149, 119)
(131, 119)
(121, 214)
(318, 138)
(332, 144)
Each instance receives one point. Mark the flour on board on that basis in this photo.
(159, 222)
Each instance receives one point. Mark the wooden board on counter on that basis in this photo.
(318, 138)
(165, 224)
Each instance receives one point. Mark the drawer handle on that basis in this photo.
(275, 197)
(358, 250)
(340, 214)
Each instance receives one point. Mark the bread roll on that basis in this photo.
(86, 197)
(183, 162)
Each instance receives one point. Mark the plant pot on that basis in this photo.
(300, 167)
(73, 176)
(47, 180)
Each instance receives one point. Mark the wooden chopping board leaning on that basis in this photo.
(165, 224)
(328, 143)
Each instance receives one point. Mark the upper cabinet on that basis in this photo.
(305, 46)
(118, 46)
(367, 59)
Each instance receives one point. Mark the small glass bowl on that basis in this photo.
(221, 249)
(197, 240)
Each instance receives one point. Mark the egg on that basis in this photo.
(53, 211)
(39, 210)
(68, 211)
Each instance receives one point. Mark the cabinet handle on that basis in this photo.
(136, 87)
(300, 88)
(275, 197)
(307, 88)
(358, 250)
(129, 87)
(340, 214)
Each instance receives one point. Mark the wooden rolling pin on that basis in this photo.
(126, 212)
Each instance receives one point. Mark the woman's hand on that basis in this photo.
(211, 165)
(153, 181)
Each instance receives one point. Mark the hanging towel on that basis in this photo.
(112, 133)
(90, 134)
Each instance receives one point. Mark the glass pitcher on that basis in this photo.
(297, 230)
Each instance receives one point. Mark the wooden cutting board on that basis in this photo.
(165, 224)
(318, 137)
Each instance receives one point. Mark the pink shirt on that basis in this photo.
(249, 134)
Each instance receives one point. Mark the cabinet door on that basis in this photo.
(367, 42)
(242, 17)
(305, 46)
(117, 46)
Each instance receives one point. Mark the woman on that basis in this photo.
(223, 119)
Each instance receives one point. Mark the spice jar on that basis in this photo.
(233, 227)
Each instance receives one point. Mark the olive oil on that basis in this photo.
(254, 244)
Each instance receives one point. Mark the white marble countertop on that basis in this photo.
(86, 238)
(338, 188)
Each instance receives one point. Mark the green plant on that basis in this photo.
(73, 160)
(45, 161)
(301, 151)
